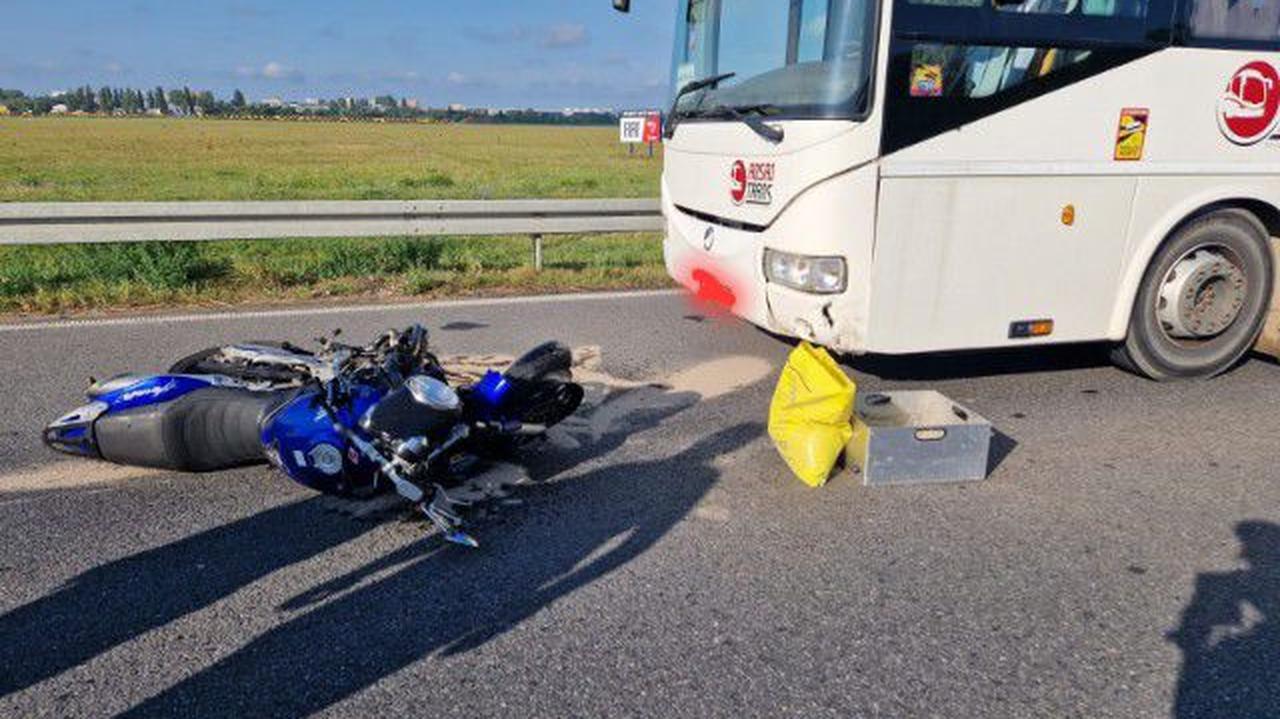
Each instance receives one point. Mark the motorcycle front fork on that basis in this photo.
(440, 510)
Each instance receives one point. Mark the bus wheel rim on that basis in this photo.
(1202, 295)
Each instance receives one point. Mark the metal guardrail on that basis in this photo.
(42, 223)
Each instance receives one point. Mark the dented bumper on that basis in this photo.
(724, 266)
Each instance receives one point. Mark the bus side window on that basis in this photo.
(1099, 8)
(978, 71)
(1235, 20)
(951, 3)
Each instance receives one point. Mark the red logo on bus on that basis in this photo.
(738, 182)
(752, 183)
(1250, 108)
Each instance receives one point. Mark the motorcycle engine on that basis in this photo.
(422, 407)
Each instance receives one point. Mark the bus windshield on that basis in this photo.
(796, 59)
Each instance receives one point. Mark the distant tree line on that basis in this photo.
(185, 102)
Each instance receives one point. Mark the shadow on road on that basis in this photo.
(450, 601)
(435, 599)
(990, 363)
(1229, 635)
(972, 364)
(1002, 445)
(117, 602)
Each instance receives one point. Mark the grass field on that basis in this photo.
(70, 159)
(95, 159)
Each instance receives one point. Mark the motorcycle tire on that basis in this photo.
(552, 361)
(550, 402)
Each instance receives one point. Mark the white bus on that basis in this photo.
(904, 176)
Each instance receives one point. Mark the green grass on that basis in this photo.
(85, 277)
(70, 159)
(98, 159)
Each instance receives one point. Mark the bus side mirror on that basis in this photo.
(622, 5)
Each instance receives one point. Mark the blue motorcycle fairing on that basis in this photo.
(155, 389)
(73, 432)
(301, 440)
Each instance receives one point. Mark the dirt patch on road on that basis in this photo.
(71, 474)
(610, 399)
(708, 380)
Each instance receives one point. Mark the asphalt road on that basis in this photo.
(1122, 561)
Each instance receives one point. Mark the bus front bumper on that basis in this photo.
(724, 267)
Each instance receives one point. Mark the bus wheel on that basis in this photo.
(1203, 301)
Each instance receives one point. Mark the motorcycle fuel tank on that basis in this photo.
(302, 441)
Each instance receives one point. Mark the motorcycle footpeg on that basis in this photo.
(443, 498)
(447, 521)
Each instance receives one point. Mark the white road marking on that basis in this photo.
(322, 311)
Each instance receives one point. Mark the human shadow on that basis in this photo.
(1229, 636)
(119, 601)
(448, 600)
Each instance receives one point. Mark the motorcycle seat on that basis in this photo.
(203, 431)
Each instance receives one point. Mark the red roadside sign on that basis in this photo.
(653, 127)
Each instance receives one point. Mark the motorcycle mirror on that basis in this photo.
(622, 5)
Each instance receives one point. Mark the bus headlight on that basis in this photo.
(818, 275)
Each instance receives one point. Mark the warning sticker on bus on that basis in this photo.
(1131, 137)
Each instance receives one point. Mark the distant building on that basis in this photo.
(411, 103)
(273, 102)
(457, 107)
(58, 109)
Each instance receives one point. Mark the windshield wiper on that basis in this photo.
(673, 117)
(749, 115)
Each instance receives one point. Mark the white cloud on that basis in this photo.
(271, 71)
(566, 35)
(275, 70)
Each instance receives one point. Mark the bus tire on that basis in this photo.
(1203, 301)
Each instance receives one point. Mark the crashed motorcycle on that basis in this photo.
(343, 420)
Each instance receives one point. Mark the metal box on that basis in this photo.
(918, 438)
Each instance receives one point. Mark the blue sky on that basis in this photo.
(535, 53)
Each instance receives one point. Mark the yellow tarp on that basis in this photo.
(809, 419)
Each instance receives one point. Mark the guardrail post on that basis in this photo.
(537, 253)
